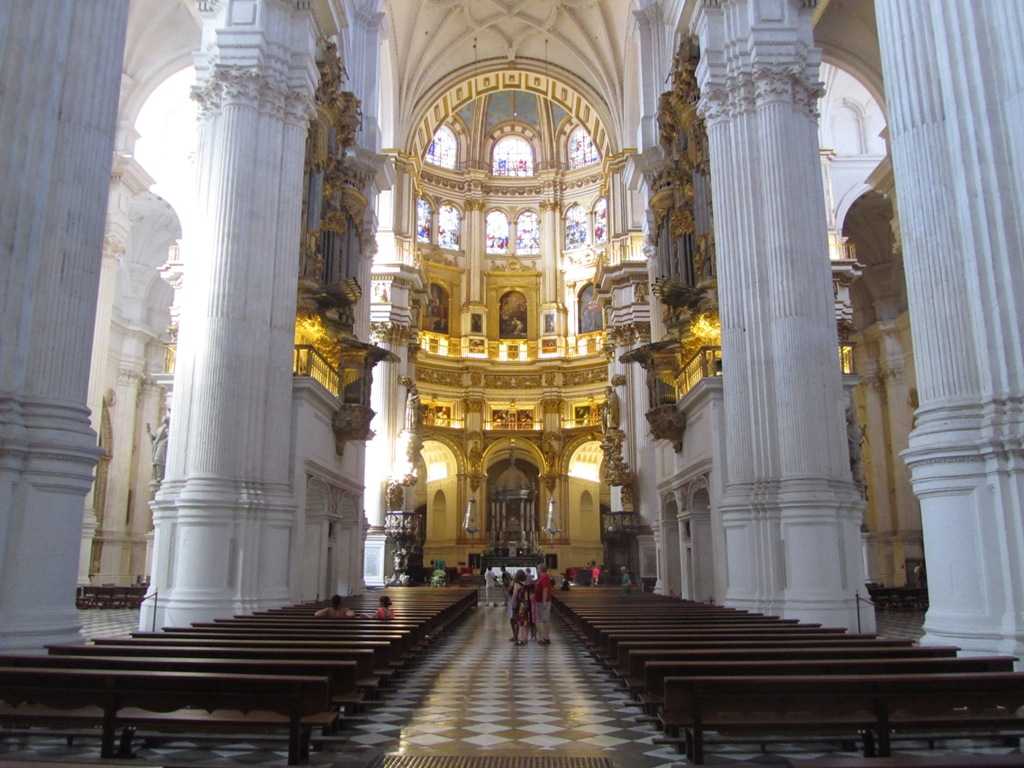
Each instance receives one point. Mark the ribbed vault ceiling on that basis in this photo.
(431, 39)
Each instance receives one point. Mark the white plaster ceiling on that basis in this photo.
(432, 39)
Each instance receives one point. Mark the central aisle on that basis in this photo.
(477, 693)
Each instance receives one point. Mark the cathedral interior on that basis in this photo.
(314, 297)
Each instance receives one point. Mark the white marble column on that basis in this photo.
(474, 244)
(59, 75)
(791, 512)
(953, 77)
(225, 513)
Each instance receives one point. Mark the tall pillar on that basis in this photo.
(57, 117)
(791, 513)
(954, 84)
(150, 412)
(224, 514)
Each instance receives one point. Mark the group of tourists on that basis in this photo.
(527, 604)
(335, 610)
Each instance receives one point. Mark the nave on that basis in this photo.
(473, 694)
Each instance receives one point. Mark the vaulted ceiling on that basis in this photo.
(430, 40)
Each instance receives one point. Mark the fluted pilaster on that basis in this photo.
(955, 88)
(224, 514)
(789, 495)
(59, 67)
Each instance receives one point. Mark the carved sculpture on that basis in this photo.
(158, 440)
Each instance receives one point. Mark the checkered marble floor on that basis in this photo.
(474, 694)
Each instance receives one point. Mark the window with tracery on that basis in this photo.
(512, 156)
(497, 232)
(581, 149)
(575, 227)
(449, 227)
(528, 233)
(444, 148)
(424, 221)
(601, 221)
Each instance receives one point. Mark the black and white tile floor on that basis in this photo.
(476, 694)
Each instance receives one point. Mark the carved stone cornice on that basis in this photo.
(389, 333)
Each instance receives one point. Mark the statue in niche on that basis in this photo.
(611, 409)
(512, 314)
(158, 440)
(413, 407)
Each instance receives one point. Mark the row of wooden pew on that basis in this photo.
(282, 671)
(699, 668)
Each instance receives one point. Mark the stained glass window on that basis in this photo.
(581, 150)
(424, 225)
(512, 156)
(444, 148)
(528, 233)
(575, 227)
(497, 232)
(601, 221)
(449, 226)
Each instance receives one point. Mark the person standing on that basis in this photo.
(627, 580)
(542, 607)
(520, 609)
(595, 574)
(490, 584)
(509, 588)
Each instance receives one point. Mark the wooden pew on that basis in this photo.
(638, 659)
(847, 706)
(125, 697)
(669, 649)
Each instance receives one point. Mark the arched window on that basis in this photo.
(444, 148)
(575, 227)
(591, 318)
(449, 227)
(513, 156)
(581, 150)
(497, 232)
(424, 221)
(528, 233)
(601, 221)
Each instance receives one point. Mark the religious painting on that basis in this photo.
(438, 304)
(549, 346)
(512, 316)
(549, 323)
(438, 416)
(477, 346)
(476, 323)
(591, 315)
(582, 415)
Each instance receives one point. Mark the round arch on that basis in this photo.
(461, 87)
(585, 461)
(498, 450)
(443, 448)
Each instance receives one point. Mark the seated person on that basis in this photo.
(385, 612)
(334, 610)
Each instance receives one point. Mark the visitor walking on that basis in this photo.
(490, 586)
(595, 574)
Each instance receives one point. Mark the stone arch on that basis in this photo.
(464, 85)
(570, 448)
(585, 453)
(438, 447)
(498, 450)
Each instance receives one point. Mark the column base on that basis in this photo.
(32, 631)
